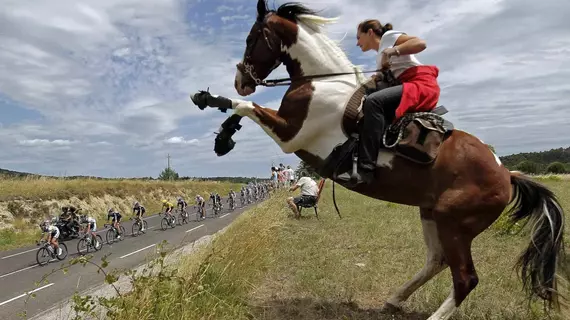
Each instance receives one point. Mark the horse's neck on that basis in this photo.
(318, 55)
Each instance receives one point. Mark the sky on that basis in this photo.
(102, 87)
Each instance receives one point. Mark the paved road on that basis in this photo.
(19, 269)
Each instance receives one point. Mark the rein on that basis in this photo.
(282, 81)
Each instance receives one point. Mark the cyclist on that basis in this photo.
(140, 211)
(90, 227)
(201, 204)
(213, 198)
(231, 198)
(181, 204)
(52, 233)
(167, 206)
(116, 220)
(219, 200)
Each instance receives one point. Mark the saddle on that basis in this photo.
(417, 136)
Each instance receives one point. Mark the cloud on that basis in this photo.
(110, 80)
(180, 140)
(46, 142)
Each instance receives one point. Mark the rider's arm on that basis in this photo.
(406, 44)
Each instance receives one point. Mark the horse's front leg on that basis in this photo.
(270, 121)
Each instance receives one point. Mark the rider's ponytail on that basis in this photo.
(375, 25)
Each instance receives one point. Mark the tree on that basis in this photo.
(556, 168)
(168, 174)
(528, 166)
(305, 170)
(492, 148)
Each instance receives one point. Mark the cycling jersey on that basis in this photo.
(92, 222)
(115, 215)
(54, 231)
(139, 211)
(182, 203)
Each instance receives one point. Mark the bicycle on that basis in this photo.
(113, 233)
(167, 221)
(200, 215)
(217, 208)
(47, 252)
(86, 242)
(184, 217)
(232, 205)
(137, 226)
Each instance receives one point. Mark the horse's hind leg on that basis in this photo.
(435, 263)
(457, 250)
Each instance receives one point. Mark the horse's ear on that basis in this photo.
(261, 9)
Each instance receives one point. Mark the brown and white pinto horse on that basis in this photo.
(459, 195)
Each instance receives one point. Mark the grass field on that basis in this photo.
(26, 202)
(270, 266)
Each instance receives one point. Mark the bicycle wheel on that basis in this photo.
(43, 256)
(164, 224)
(145, 225)
(110, 236)
(82, 246)
(63, 254)
(99, 243)
(173, 221)
(136, 229)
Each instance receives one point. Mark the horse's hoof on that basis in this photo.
(200, 99)
(390, 308)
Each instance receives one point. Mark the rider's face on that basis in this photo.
(364, 40)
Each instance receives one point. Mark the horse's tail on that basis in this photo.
(539, 261)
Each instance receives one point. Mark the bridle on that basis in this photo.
(247, 68)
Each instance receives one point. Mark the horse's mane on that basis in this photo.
(300, 14)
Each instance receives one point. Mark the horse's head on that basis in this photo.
(262, 52)
(271, 33)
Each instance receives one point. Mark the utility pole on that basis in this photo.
(168, 159)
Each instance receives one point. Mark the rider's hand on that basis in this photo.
(386, 55)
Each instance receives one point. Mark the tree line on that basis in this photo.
(555, 161)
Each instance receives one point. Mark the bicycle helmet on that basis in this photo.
(110, 210)
(136, 204)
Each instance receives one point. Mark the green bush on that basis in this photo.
(556, 168)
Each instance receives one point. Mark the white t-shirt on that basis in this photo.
(291, 174)
(308, 186)
(399, 64)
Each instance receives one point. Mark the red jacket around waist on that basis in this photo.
(420, 90)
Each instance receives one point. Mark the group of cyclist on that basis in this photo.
(70, 217)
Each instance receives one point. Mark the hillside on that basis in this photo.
(539, 162)
(10, 173)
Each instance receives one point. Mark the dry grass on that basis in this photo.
(39, 189)
(31, 200)
(269, 266)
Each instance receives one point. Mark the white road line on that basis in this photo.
(24, 294)
(17, 254)
(139, 250)
(200, 226)
(13, 272)
(224, 215)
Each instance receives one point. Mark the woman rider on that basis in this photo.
(419, 90)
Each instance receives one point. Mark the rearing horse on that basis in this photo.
(459, 195)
